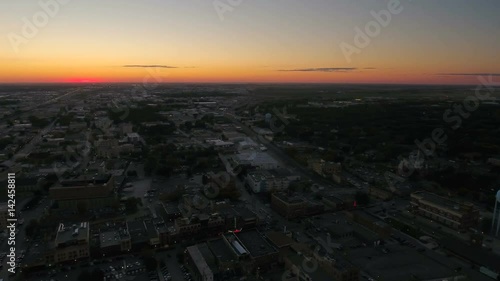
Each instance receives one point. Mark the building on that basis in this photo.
(220, 144)
(107, 148)
(77, 126)
(246, 143)
(496, 216)
(288, 206)
(203, 271)
(233, 136)
(71, 243)
(266, 181)
(328, 268)
(139, 236)
(333, 202)
(225, 257)
(133, 137)
(256, 159)
(264, 132)
(485, 260)
(153, 234)
(85, 192)
(126, 128)
(291, 207)
(186, 227)
(252, 250)
(114, 242)
(238, 217)
(201, 225)
(168, 211)
(443, 210)
(224, 183)
(326, 169)
(379, 227)
(246, 218)
(380, 193)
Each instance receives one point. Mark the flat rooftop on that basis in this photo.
(255, 243)
(245, 213)
(407, 261)
(443, 202)
(208, 256)
(289, 199)
(69, 234)
(221, 250)
(340, 229)
(172, 208)
(477, 255)
(151, 229)
(280, 172)
(279, 239)
(255, 157)
(317, 275)
(109, 238)
(260, 175)
(334, 198)
(137, 231)
(86, 180)
(199, 260)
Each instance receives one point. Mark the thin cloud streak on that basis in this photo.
(323, 69)
(468, 74)
(148, 66)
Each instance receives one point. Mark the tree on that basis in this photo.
(362, 198)
(174, 195)
(37, 122)
(97, 275)
(131, 205)
(84, 276)
(150, 165)
(180, 257)
(188, 125)
(205, 179)
(318, 196)
(150, 263)
(146, 252)
(32, 227)
(486, 224)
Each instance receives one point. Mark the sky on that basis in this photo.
(313, 41)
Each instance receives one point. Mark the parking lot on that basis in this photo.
(120, 268)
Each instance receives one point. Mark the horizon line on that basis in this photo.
(240, 83)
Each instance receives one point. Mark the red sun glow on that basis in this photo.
(82, 80)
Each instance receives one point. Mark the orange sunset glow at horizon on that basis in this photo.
(255, 42)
